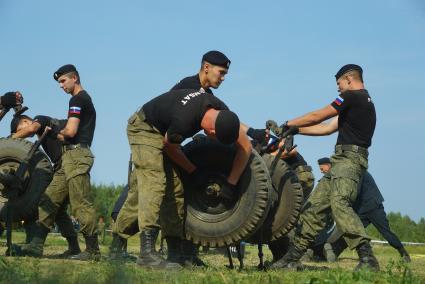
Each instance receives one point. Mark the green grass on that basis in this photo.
(45, 270)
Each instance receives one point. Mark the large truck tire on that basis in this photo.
(213, 221)
(37, 177)
(285, 212)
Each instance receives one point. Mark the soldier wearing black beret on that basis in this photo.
(214, 67)
(324, 164)
(354, 119)
(71, 180)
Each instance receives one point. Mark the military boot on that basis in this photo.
(404, 254)
(366, 258)
(291, 260)
(118, 248)
(73, 248)
(329, 253)
(92, 251)
(148, 257)
(189, 256)
(35, 247)
(30, 228)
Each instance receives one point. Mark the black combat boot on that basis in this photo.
(30, 228)
(291, 260)
(404, 254)
(92, 251)
(366, 258)
(148, 257)
(118, 248)
(189, 253)
(35, 247)
(173, 249)
(73, 248)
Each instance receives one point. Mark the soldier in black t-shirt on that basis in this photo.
(214, 67)
(22, 127)
(77, 158)
(355, 125)
(155, 133)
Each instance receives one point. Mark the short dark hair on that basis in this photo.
(16, 121)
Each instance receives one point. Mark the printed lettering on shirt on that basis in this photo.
(189, 96)
(339, 100)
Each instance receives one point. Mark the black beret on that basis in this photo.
(227, 127)
(325, 160)
(216, 58)
(68, 68)
(349, 67)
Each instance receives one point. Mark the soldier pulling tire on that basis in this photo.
(37, 178)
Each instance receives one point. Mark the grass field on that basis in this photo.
(45, 270)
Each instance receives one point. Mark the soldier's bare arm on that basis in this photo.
(176, 154)
(71, 128)
(314, 117)
(243, 152)
(320, 129)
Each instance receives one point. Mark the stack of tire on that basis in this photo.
(37, 178)
(266, 207)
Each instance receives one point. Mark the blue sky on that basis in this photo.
(284, 55)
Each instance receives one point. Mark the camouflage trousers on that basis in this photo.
(70, 184)
(126, 223)
(334, 195)
(306, 179)
(157, 192)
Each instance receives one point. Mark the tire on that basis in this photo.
(37, 177)
(210, 221)
(285, 212)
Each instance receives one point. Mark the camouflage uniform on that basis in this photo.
(335, 193)
(71, 180)
(159, 189)
(126, 224)
(306, 179)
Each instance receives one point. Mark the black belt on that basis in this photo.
(352, 148)
(303, 168)
(75, 146)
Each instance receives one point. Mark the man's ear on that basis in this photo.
(207, 67)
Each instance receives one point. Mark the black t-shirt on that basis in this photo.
(51, 145)
(81, 106)
(357, 118)
(179, 113)
(295, 161)
(192, 82)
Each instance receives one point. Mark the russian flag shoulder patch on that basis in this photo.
(74, 110)
(339, 100)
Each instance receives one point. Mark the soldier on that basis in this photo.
(369, 206)
(303, 171)
(22, 127)
(214, 67)
(355, 126)
(155, 133)
(77, 158)
(72, 180)
(324, 165)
